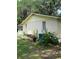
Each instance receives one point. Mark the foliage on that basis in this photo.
(48, 38)
(31, 50)
(47, 7)
(25, 49)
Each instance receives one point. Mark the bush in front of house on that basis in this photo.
(48, 38)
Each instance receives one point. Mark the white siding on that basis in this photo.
(24, 28)
(51, 26)
(38, 18)
(35, 25)
(35, 22)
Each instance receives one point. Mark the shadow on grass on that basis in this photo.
(30, 50)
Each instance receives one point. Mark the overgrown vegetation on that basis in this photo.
(31, 50)
(46, 7)
(48, 38)
(36, 50)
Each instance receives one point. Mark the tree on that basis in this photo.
(47, 7)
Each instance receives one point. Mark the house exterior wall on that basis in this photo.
(51, 26)
(35, 23)
(31, 26)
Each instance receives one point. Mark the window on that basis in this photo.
(44, 26)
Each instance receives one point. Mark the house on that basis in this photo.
(38, 23)
(19, 27)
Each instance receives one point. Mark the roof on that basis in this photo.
(38, 15)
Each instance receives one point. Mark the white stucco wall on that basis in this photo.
(35, 25)
(51, 26)
(35, 22)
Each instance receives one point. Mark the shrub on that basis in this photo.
(48, 38)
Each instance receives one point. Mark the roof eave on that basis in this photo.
(38, 15)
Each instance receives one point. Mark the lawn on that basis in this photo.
(30, 50)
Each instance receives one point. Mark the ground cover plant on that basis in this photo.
(48, 38)
(27, 49)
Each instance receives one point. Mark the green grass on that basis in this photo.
(30, 50)
(26, 50)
